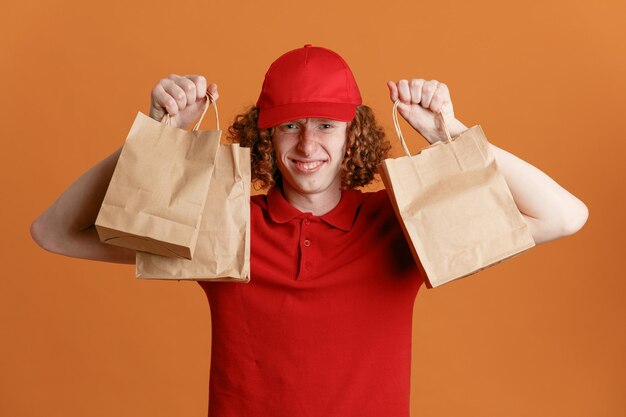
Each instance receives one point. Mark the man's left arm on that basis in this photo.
(549, 210)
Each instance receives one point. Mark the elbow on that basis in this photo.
(41, 236)
(575, 219)
(568, 222)
(36, 233)
(564, 224)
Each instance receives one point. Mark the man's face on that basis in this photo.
(309, 153)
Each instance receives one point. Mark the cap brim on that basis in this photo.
(274, 116)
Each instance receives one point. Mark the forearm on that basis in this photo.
(67, 226)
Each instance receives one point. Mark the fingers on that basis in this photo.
(415, 86)
(441, 96)
(430, 94)
(199, 85)
(174, 93)
(393, 90)
(428, 91)
(404, 92)
(212, 89)
(181, 90)
(173, 97)
(162, 102)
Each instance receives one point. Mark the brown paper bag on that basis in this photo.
(455, 208)
(223, 249)
(156, 196)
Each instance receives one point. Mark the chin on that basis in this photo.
(308, 188)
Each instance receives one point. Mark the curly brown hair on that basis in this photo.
(366, 147)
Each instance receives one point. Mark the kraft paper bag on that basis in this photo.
(223, 248)
(156, 196)
(456, 210)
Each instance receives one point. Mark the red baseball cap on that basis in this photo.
(308, 82)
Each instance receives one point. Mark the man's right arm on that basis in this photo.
(67, 226)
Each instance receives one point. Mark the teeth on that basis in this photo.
(309, 165)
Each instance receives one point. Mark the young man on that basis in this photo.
(324, 326)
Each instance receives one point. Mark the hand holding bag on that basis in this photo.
(456, 210)
(157, 193)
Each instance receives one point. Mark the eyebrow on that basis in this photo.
(317, 119)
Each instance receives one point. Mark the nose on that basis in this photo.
(307, 143)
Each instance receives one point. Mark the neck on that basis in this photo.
(317, 203)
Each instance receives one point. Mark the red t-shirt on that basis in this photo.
(323, 328)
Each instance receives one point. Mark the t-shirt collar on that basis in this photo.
(341, 217)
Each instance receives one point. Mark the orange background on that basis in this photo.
(543, 334)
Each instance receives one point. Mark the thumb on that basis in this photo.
(393, 90)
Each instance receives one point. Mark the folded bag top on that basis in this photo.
(454, 206)
(156, 196)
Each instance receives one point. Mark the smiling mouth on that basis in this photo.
(307, 166)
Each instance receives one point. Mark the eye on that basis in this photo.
(325, 126)
(288, 126)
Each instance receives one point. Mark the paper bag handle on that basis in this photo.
(209, 100)
(394, 115)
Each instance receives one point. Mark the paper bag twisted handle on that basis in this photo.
(209, 100)
(394, 115)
